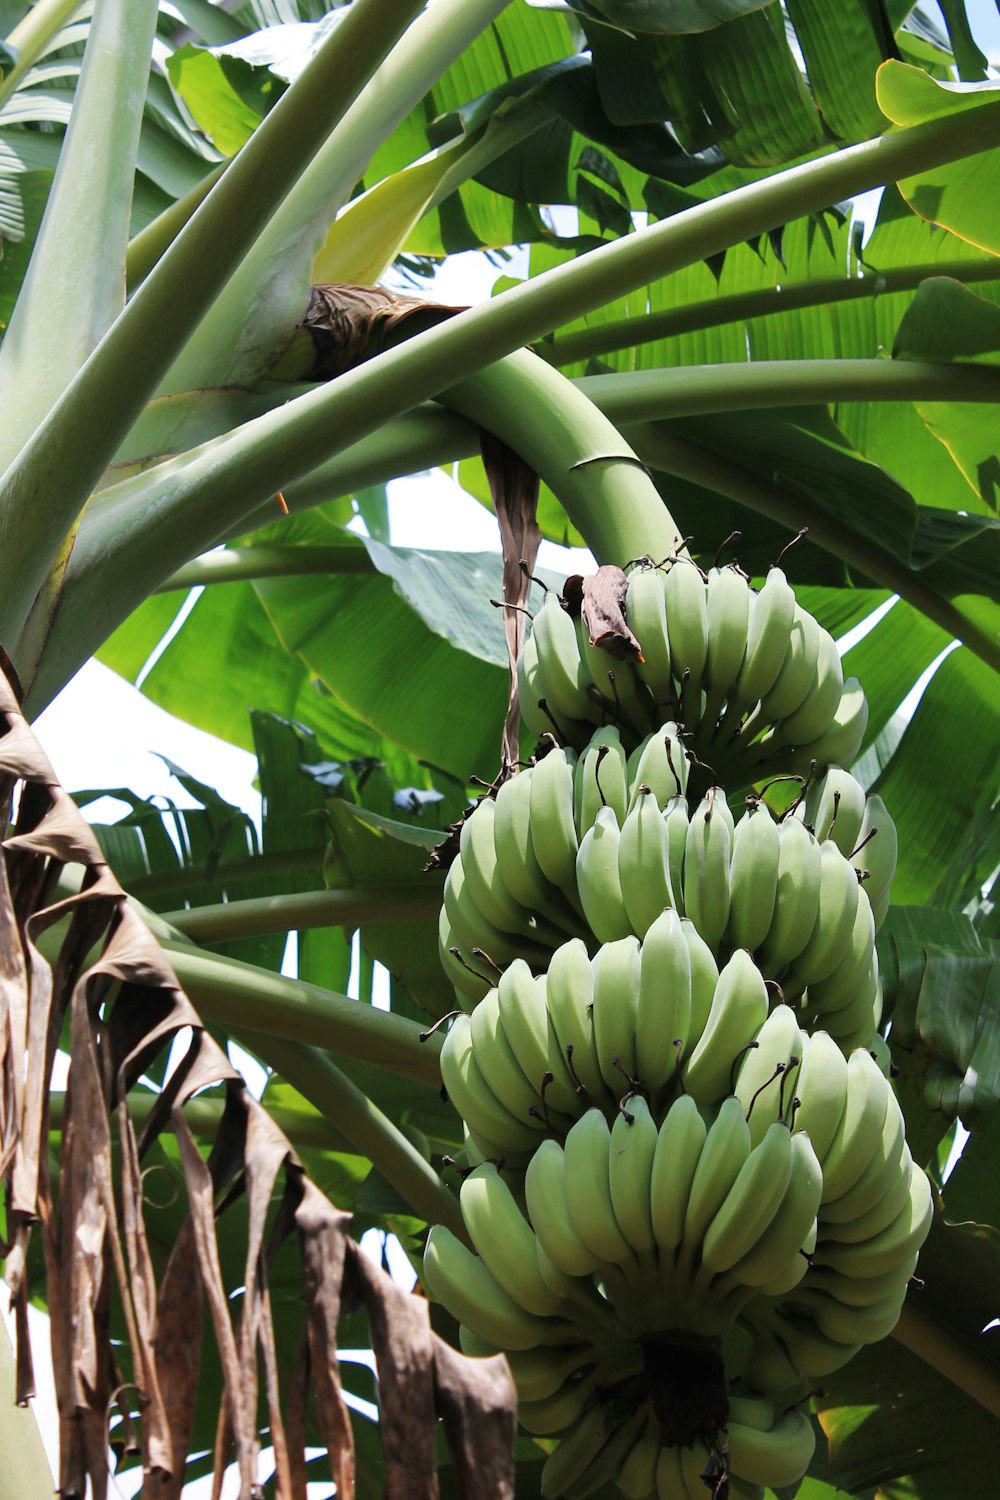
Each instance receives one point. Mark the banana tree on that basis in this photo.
(203, 390)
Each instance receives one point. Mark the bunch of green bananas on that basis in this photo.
(598, 846)
(721, 1214)
(752, 676)
(660, 1015)
(689, 1190)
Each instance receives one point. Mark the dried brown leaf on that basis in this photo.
(404, 1355)
(600, 598)
(474, 1399)
(125, 1009)
(351, 323)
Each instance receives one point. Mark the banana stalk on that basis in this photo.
(202, 495)
(369, 1131)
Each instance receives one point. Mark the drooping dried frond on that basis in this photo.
(128, 1306)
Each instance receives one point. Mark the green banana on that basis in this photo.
(855, 1024)
(693, 1463)
(663, 1005)
(553, 829)
(707, 856)
(835, 808)
(814, 714)
(644, 864)
(679, 1144)
(539, 1373)
(763, 1091)
(670, 1483)
(646, 614)
(519, 869)
(704, 978)
(461, 1281)
(774, 1458)
(777, 1252)
(752, 1411)
(739, 1010)
(532, 1036)
(569, 995)
(577, 1450)
(545, 1195)
(728, 605)
(852, 1325)
(496, 1061)
(600, 780)
(865, 1108)
(658, 762)
(753, 877)
(479, 1148)
(892, 1245)
(505, 1240)
(794, 682)
(879, 854)
(839, 989)
(598, 881)
(516, 859)
(471, 928)
(607, 1462)
(863, 1291)
(721, 809)
(562, 675)
(569, 1288)
(821, 1089)
(636, 1478)
(752, 1201)
(771, 615)
(796, 903)
(555, 1413)
(616, 967)
(474, 1099)
(477, 847)
(881, 1213)
(476, 1348)
(811, 1352)
(842, 739)
(626, 699)
(838, 908)
(535, 712)
(726, 1148)
(739, 1490)
(630, 1163)
(687, 620)
(883, 1167)
(769, 1366)
(586, 1153)
(470, 987)
(676, 820)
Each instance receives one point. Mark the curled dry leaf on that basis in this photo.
(113, 993)
(600, 598)
(350, 323)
